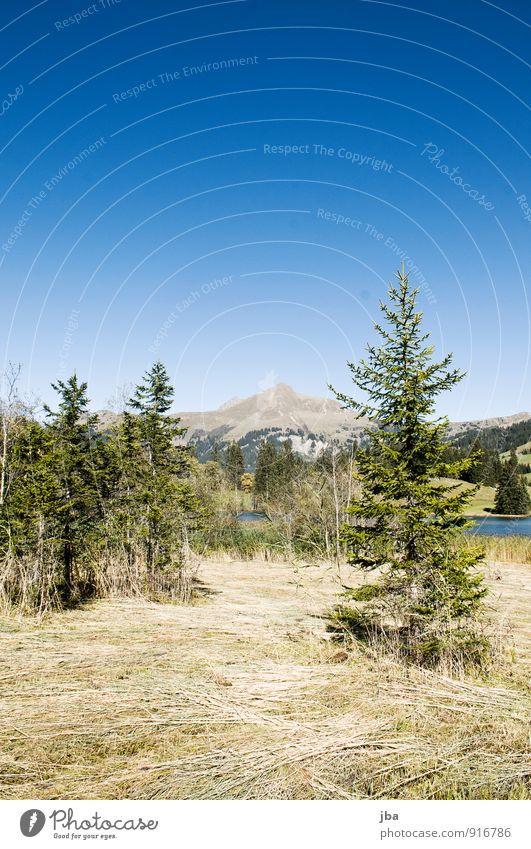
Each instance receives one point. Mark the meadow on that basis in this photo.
(246, 693)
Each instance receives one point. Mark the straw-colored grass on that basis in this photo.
(513, 549)
(244, 695)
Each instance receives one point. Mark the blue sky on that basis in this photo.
(230, 187)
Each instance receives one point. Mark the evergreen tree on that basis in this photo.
(287, 465)
(512, 494)
(407, 522)
(31, 523)
(75, 444)
(75, 500)
(266, 474)
(155, 476)
(157, 432)
(486, 466)
(492, 467)
(234, 464)
(476, 472)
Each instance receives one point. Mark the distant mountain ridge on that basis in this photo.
(312, 423)
(278, 406)
(485, 424)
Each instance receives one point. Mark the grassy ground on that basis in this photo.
(523, 452)
(244, 696)
(482, 503)
(524, 456)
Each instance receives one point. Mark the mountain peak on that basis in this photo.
(281, 389)
(230, 403)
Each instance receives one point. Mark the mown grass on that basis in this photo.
(245, 695)
(523, 451)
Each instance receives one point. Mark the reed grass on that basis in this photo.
(31, 586)
(509, 549)
(268, 541)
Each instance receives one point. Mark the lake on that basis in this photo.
(501, 527)
(252, 516)
(488, 526)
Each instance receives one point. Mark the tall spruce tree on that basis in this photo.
(75, 444)
(234, 464)
(266, 474)
(31, 523)
(287, 466)
(512, 495)
(156, 470)
(408, 520)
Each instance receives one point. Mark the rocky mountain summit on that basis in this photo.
(278, 413)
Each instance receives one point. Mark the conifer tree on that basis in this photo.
(156, 469)
(157, 431)
(75, 446)
(408, 521)
(512, 495)
(234, 464)
(287, 466)
(30, 523)
(266, 474)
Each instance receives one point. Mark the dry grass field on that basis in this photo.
(244, 695)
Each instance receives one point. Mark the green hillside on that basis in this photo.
(523, 452)
(482, 503)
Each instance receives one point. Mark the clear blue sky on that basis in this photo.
(230, 187)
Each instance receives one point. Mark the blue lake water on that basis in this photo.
(500, 527)
(490, 525)
(252, 516)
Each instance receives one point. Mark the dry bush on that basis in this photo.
(31, 586)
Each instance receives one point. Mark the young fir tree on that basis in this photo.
(512, 495)
(155, 479)
(31, 522)
(234, 464)
(408, 521)
(75, 444)
(266, 474)
(287, 466)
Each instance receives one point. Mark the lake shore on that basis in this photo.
(487, 515)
